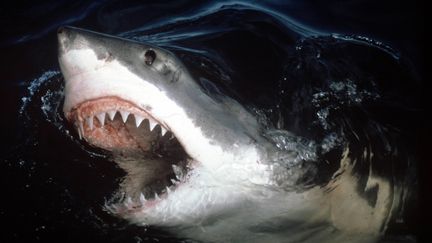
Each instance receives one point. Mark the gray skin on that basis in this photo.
(228, 206)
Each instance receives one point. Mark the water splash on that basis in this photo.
(340, 94)
(34, 86)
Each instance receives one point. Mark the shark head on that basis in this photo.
(182, 150)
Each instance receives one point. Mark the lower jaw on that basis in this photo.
(127, 202)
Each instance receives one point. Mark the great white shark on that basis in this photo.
(197, 166)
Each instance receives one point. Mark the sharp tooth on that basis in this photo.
(168, 190)
(128, 202)
(177, 170)
(124, 115)
(81, 128)
(156, 196)
(79, 134)
(101, 118)
(142, 198)
(163, 130)
(89, 121)
(174, 181)
(138, 120)
(78, 129)
(152, 124)
(111, 114)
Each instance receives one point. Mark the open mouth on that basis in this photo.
(154, 161)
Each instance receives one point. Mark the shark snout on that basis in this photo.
(63, 38)
(72, 38)
(79, 51)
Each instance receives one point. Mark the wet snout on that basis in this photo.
(64, 35)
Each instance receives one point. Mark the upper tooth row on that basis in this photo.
(124, 114)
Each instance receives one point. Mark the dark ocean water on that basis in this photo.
(53, 186)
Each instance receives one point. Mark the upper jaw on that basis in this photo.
(98, 84)
(105, 108)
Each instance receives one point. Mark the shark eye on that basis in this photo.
(149, 57)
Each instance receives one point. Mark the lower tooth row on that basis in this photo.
(129, 203)
(124, 115)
